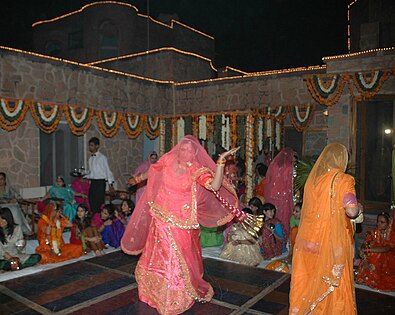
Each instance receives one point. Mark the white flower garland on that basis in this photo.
(225, 132)
(331, 88)
(202, 128)
(249, 158)
(373, 80)
(136, 121)
(113, 119)
(180, 129)
(278, 135)
(307, 116)
(50, 118)
(260, 134)
(269, 132)
(17, 110)
(77, 120)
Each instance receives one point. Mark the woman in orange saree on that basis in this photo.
(377, 267)
(164, 226)
(322, 265)
(50, 228)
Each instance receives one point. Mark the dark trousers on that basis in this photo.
(96, 194)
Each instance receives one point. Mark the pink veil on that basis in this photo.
(209, 211)
(279, 186)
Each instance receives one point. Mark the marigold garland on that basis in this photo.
(152, 127)
(368, 84)
(12, 116)
(108, 122)
(233, 133)
(326, 89)
(133, 124)
(78, 118)
(46, 116)
(298, 120)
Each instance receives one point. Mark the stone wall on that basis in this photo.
(167, 65)
(25, 76)
(19, 154)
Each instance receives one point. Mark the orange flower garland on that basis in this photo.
(12, 117)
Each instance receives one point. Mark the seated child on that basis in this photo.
(127, 207)
(241, 246)
(294, 225)
(85, 234)
(255, 204)
(272, 235)
(109, 226)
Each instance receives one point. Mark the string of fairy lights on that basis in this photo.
(171, 26)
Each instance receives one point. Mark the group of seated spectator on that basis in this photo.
(63, 208)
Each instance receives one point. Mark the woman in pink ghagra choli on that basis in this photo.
(279, 186)
(166, 222)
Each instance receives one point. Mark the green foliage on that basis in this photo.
(303, 170)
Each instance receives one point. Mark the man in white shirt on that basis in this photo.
(99, 173)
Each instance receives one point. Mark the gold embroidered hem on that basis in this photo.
(166, 217)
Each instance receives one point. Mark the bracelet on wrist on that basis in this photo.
(221, 161)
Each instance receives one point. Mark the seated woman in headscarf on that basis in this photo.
(12, 256)
(64, 192)
(51, 245)
(377, 267)
(8, 198)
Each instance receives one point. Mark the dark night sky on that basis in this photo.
(251, 35)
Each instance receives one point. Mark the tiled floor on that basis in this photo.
(105, 285)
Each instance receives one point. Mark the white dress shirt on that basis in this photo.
(99, 169)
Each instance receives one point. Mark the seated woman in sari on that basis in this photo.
(242, 247)
(85, 234)
(12, 244)
(80, 185)
(110, 227)
(377, 267)
(64, 192)
(8, 198)
(272, 233)
(51, 245)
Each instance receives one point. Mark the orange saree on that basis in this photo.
(51, 246)
(377, 270)
(322, 264)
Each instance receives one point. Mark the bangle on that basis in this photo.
(221, 161)
(138, 178)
